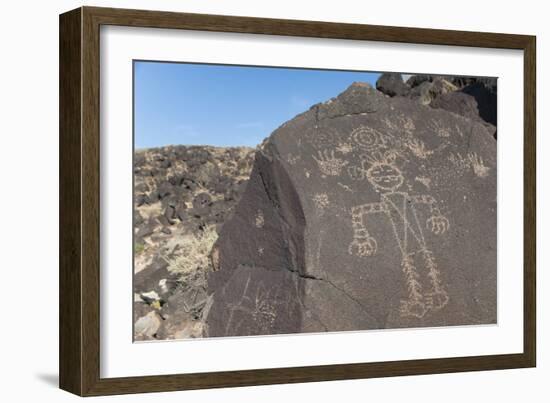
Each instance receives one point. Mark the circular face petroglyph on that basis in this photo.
(385, 176)
(368, 138)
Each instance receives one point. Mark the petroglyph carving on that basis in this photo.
(321, 137)
(372, 140)
(438, 128)
(478, 166)
(400, 123)
(259, 220)
(367, 138)
(344, 148)
(414, 305)
(321, 202)
(260, 307)
(345, 187)
(418, 148)
(460, 163)
(402, 210)
(408, 124)
(292, 159)
(329, 164)
(471, 160)
(424, 180)
(359, 172)
(390, 124)
(438, 298)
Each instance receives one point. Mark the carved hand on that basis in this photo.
(363, 247)
(438, 224)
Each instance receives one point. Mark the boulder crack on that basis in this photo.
(332, 284)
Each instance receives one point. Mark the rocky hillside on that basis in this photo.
(182, 195)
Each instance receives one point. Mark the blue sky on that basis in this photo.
(182, 103)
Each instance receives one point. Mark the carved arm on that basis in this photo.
(363, 243)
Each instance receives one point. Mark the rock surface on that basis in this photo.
(471, 97)
(392, 84)
(365, 212)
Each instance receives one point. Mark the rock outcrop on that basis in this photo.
(471, 97)
(365, 212)
(392, 84)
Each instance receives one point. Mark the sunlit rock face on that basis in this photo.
(365, 212)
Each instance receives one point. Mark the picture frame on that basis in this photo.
(80, 155)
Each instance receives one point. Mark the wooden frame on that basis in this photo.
(79, 201)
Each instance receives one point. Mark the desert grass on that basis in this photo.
(192, 252)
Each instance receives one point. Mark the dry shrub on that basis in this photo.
(192, 252)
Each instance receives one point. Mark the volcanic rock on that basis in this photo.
(427, 91)
(458, 102)
(418, 79)
(486, 98)
(392, 84)
(365, 212)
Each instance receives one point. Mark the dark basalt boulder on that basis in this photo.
(416, 80)
(148, 279)
(392, 84)
(142, 199)
(458, 102)
(489, 82)
(201, 204)
(365, 212)
(475, 102)
(486, 98)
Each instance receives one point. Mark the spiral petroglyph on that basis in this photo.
(369, 139)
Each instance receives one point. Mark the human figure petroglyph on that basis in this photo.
(402, 210)
(329, 164)
(359, 172)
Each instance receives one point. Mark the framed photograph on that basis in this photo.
(249, 201)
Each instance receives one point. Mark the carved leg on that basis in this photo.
(414, 304)
(437, 298)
